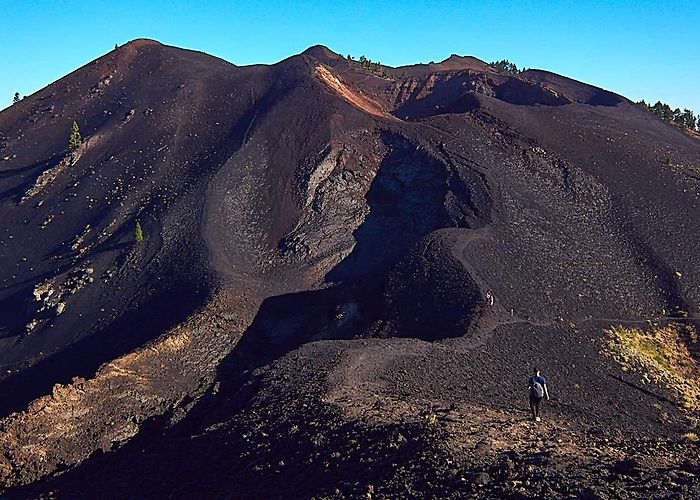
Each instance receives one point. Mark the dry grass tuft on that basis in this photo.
(662, 355)
(691, 436)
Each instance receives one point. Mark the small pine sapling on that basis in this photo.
(74, 140)
(138, 232)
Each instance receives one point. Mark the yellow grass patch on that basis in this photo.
(662, 354)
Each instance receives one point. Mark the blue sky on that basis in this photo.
(641, 49)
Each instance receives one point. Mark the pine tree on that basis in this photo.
(15, 99)
(688, 119)
(506, 67)
(676, 116)
(138, 232)
(644, 104)
(74, 140)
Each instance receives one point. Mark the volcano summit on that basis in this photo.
(306, 311)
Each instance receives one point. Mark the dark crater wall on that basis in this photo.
(517, 91)
(412, 195)
(458, 92)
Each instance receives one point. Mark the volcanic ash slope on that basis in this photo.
(306, 314)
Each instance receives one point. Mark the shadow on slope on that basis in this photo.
(430, 295)
(285, 322)
(12, 190)
(305, 450)
(573, 89)
(213, 446)
(158, 313)
(412, 195)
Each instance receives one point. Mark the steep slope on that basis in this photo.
(71, 272)
(309, 297)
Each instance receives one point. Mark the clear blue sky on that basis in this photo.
(641, 49)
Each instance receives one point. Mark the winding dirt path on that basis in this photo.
(499, 314)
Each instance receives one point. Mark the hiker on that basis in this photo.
(537, 389)
(489, 297)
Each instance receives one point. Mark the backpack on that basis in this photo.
(536, 390)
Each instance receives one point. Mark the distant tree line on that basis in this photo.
(684, 119)
(506, 67)
(368, 64)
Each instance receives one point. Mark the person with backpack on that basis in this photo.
(537, 390)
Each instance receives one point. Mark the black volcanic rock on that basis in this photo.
(319, 241)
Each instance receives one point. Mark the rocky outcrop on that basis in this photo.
(101, 413)
(49, 176)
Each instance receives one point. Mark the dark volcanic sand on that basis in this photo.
(307, 316)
